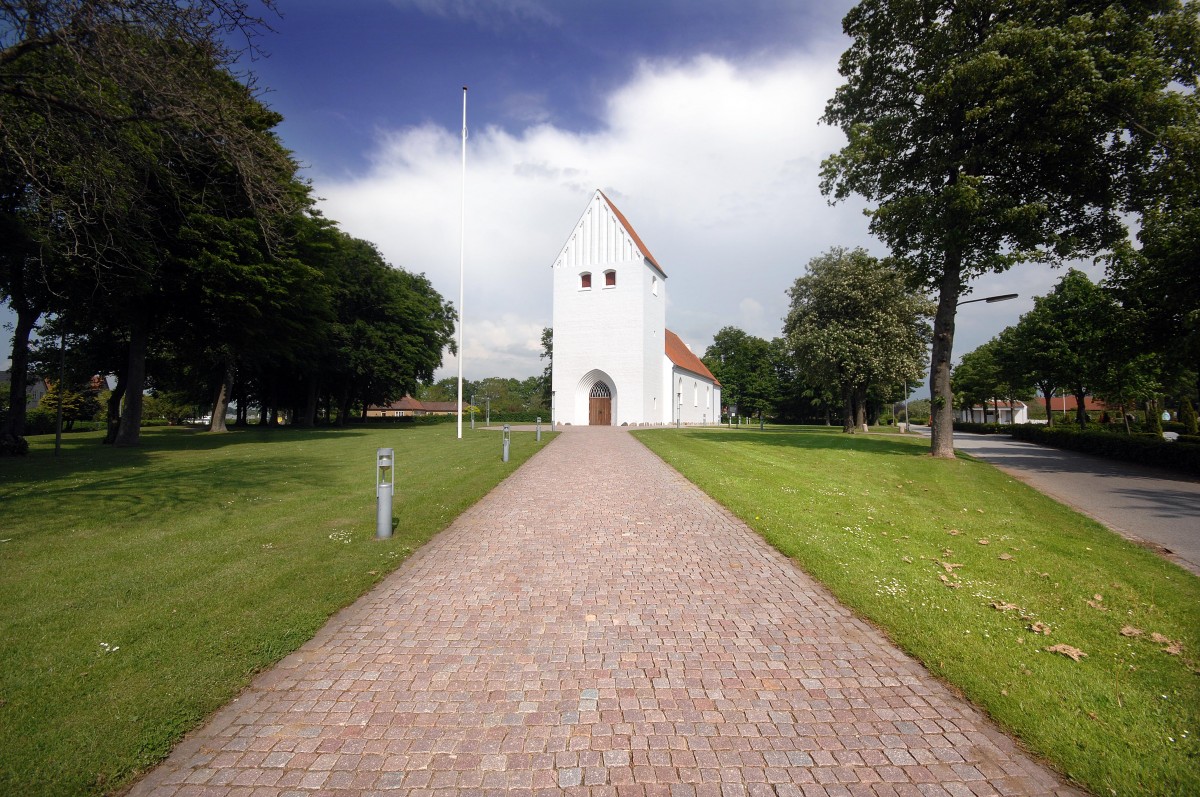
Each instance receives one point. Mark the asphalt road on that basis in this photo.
(1147, 505)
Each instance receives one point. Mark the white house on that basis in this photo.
(1018, 412)
(615, 361)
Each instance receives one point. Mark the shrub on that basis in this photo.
(1145, 448)
(13, 446)
(41, 420)
(982, 428)
(1188, 419)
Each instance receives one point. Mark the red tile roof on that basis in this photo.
(632, 232)
(683, 357)
(1089, 404)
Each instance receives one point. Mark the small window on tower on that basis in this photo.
(585, 279)
(610, 279)
(654, 285)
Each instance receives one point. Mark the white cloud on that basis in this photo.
(714, 163)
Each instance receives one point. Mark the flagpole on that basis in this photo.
(462, 246)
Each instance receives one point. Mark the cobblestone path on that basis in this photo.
(597, 625)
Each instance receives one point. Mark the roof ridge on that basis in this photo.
(637, 239)
(678, 353)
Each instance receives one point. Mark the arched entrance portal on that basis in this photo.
(600, 405)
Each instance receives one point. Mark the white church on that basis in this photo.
(615, 361)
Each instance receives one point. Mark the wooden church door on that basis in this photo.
(600, 406)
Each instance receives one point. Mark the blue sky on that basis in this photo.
(699, 119)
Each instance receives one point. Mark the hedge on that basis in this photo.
(1145, 449)
(982, 428)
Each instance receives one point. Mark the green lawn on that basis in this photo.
(141, 589)
(928, 549)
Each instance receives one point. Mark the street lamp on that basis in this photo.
(1004, 297)
(385, 488)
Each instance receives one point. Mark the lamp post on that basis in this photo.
(472, 412)
(1004, 297)
(385, 486)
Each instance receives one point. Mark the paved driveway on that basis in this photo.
(1144, 504)
(597, 625)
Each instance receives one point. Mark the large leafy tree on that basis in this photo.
(987, 373)
(119, 121)
(388, 331)
(990, 133)
(742, 364)
(853, 325)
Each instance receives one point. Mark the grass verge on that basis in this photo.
(141, 589)
(964, 567)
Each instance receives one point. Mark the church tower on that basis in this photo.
(609, 324)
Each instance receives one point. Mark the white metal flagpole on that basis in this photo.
(462, 247)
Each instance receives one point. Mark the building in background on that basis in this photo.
(615, 361)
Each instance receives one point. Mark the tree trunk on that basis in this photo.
(848, 410)
(860, 408)
(113, 409)
(1080, 412)
(308, 417)
(941, 410)
(221, 401)
(239, 392)
(130, 431)
(1048, 391)
(18, 395)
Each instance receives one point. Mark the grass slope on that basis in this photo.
(927, 549)
(141, 589)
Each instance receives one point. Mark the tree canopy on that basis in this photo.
(854, 326)
(990, 133)
(147, 203)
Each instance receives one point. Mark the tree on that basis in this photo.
(120, 121)
(853, 325)
(742, 364)
(994, 133)
(988, 372)
(389, 327)
(547, 377)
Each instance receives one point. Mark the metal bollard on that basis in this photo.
(539, 429)
(507, 434)
(385, 487)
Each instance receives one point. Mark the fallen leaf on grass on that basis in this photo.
(954, 532)
(1075, 654)
(948, 582)
(980, 511)
(1005, 557)
(906, 559)
(1131, 631)
(947, 552)
(983, 542)
(1172, 647)
(1096, 605)
(949, 567)
(1003, 607)
(1040, 628)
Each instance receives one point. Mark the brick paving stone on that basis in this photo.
(598, 626)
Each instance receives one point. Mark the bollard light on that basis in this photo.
(507, 434)
(538, 427)
(385, 486)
